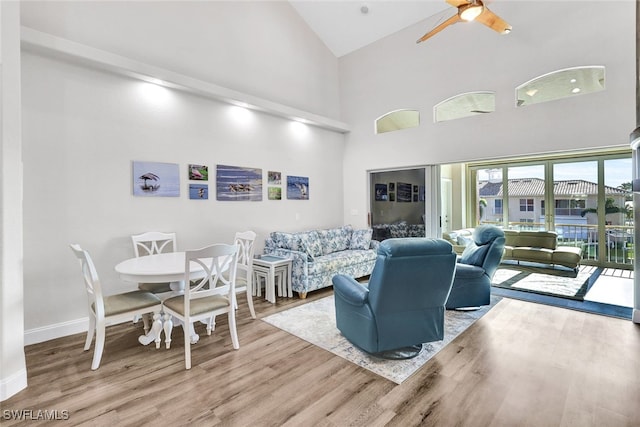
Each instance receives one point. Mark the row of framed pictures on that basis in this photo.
(233, 183)
(400, 192)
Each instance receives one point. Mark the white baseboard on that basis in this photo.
(636, 315)
(13, 384)
(58, 330)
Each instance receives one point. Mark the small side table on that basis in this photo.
(268, 267)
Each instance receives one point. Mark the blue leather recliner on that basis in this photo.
(403, 304)
(476, 267)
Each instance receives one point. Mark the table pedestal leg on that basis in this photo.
(168, 327)
(192, 333)
(154, 333)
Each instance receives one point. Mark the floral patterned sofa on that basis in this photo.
(318, 255)
(397, 230)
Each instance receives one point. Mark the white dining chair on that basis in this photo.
(245, 240)
(209, 296)
(105, 310)
(150, 243)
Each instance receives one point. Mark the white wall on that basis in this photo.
(397, 73)
(83, 128)
(13, 373)
(262, 48)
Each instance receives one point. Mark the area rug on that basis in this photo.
(561, 284)
(315, 322)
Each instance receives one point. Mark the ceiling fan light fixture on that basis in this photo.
(470, 11)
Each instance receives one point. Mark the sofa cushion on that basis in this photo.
(534, 239)
(528, 253)
(415, 230)
(310, 243)
(337, 261)
(335, 239)
(361, 239)
(286, 240)
(567, 255)
(398, 230)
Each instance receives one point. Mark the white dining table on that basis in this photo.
(160, 268)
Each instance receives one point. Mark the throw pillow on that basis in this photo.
(310, 243)
(464, 241)
(335, 239)
(361, 239)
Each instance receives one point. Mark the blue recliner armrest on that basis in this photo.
(350, 290)
(466, 271)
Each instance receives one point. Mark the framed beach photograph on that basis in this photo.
(274, 193)
(381, 192)
(274, 178)
(404, 192)
(198, 191)
(297, 188)
(155, 179)
(198, 172)
(236, 183)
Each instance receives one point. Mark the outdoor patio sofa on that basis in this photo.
(318, 255)
(530, 246)
(540, 247)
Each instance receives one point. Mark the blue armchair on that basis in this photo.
(476, 267)
(403, 304)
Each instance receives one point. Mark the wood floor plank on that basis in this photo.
(522, 364)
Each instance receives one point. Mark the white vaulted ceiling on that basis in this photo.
(343, 26)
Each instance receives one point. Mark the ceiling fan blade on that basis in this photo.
(458, 3)
(455, 18)
(493, 21)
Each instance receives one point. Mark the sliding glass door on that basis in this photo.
(575, 198)
(586, 201)
(618, 211)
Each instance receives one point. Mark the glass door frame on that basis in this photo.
(548, 162)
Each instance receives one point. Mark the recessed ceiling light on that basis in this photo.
(531, 92)
(573, 80)
(575, 90)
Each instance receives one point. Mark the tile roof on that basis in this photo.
(535, 187)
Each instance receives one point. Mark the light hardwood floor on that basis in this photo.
(522, 364)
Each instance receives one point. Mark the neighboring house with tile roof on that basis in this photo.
(526, 202)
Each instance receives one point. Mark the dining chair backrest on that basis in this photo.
(209, 295)
(91, 280)
(246, 248)
(215, 260)
(153, 242)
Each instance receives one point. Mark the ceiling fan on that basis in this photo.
(470, 10)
